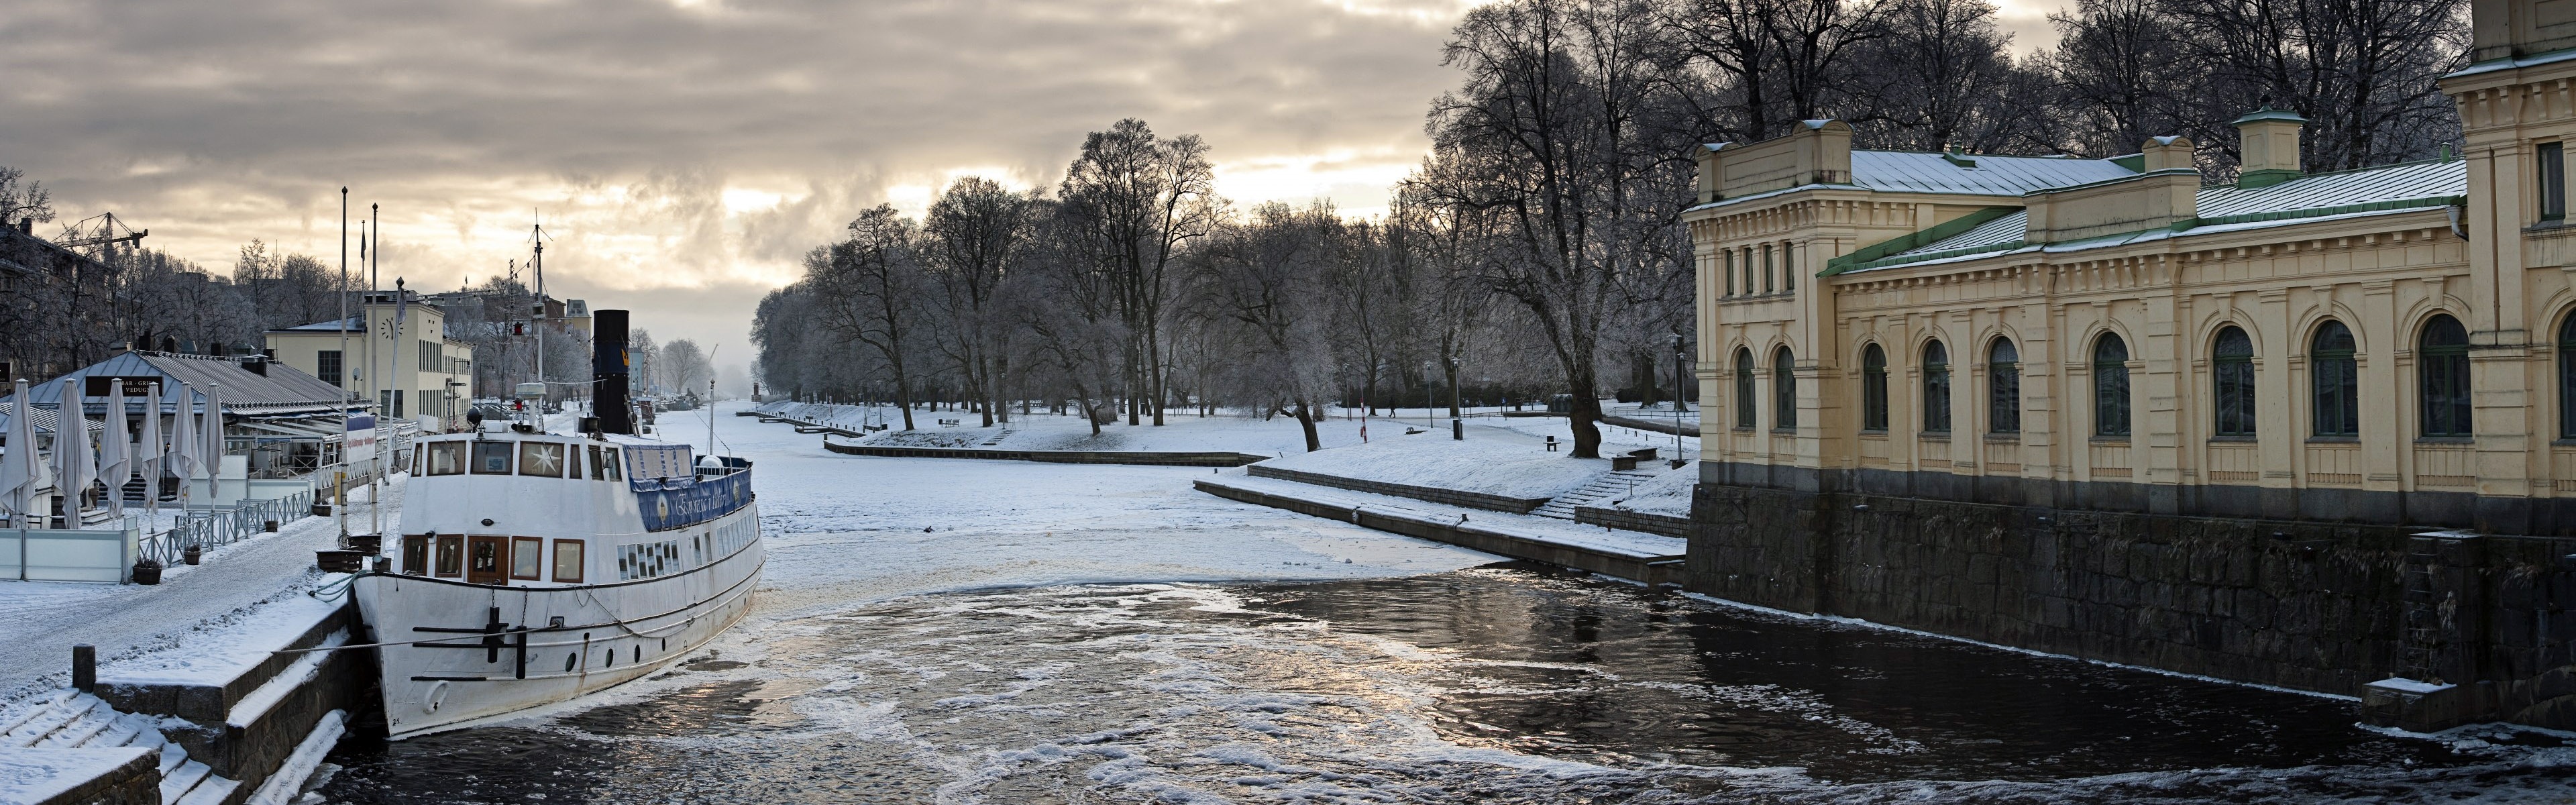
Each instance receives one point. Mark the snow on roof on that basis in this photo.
(356, 324)
(284, 389)
(1913, 172)
(2410, 185)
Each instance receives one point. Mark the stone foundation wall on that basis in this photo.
(2317, 606)
(1453, 497)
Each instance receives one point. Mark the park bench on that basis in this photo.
(948, 423)
(1551, 444)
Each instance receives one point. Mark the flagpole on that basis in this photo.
(340, 477)
(374, 253)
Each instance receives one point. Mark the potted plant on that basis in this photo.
(147, 571)
(191, 553)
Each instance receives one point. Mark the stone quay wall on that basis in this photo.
(2327, 607)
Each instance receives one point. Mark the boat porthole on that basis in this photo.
(435, 696)
(569, 659)
(639, 653)
(666, 644)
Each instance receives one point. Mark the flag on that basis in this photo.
(116, 453)
(21, 471)
(75, 463)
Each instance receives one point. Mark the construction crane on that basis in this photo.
(101, 236)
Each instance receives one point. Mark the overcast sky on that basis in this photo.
(682, 153)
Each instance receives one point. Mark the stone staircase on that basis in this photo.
(73, 720)
(1604, 488)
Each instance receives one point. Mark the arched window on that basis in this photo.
(2003, 380)
(1784, 390)
(2111, 387)
(2232, 383)
(1936, 389)
(1873, 389)
(2442, 363)
(2567, 378)
(2337, 381)
(1743, 388)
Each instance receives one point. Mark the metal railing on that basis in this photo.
(219, 527)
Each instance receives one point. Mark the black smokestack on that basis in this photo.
(608, 370)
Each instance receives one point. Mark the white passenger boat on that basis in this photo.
(534, 568)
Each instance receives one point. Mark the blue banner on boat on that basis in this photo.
(679, 502)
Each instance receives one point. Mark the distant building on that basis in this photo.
(423, 374)
(2394, 344)
(285, 420)
(502, 324)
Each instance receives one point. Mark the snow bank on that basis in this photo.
(1492, 461)
(35, 775)
(222, 648)
(1668, 494)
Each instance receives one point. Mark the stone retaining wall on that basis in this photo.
(1651, 570)
(1625, 520)
(1453, 497)
(1054, 456)
(136, 781)
(2313, 606)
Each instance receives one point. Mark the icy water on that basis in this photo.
(1496, 684)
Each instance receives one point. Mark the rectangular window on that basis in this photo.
(1767, 273)
(483, 559)
(568, 561)
(572, 463)
(447, 458)
(614, 472)
(492, 458)
(542, 459)
(430, 360)
(415, 550)
(1788, 268)
(2553, 181)
(326, 365)
(1748, 270)
(1730, 271)
(391, 402)
(451, 555)
(527, 558)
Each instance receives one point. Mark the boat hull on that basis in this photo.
(451, 652)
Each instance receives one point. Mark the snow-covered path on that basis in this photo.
(41, 621)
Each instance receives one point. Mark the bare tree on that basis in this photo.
(23, 199)
(1266, 281)
(973, 237)
(1136, 199)
(1549, 134)
(686, 366)
(866, 288)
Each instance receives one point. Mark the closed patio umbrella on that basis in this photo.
(22, 472)
(75, 462)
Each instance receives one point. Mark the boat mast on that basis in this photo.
(537, 263)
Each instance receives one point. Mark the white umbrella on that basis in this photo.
(187, 452)
(116, 454)
(213, 430)
(75, 461)
(148, 452)
(21, 472)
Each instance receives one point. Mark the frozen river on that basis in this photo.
(955, 631)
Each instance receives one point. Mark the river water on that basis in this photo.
(1505, 683)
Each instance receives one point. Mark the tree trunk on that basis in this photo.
(1306, 422)
(1584, 413)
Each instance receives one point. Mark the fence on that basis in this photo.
(54, 554)
(219, 527)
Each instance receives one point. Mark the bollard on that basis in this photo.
(84, 668)
(1457, 430)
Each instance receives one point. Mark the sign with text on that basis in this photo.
(136, 388)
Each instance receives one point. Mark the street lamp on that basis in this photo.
(1457, 426)
(1430, 391)
(1678, 344)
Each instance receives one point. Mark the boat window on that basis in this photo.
(527, 558)
(614, 471)
(594, 463)
(568, 560)
(415, 461)
(447, 458)
(492, 458)
(451, 555)
(415, 554)
(543, 459)
(483, 559)
(572, 463)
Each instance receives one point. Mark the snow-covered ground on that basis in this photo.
(1184, 431)
(1491, 460)
(41, 621)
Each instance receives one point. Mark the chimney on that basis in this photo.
(27, 225)
(2268, 146)
(2163, 153)
(609, 369)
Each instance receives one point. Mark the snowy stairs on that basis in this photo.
(998, 436)
(1611, 486)
(73, 720)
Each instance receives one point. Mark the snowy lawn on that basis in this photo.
(1544, 529)
(850, 530)
(1490, 460)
